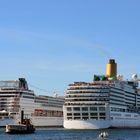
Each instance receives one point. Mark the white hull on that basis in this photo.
(47, 121)
(86, 124)
(37, 121)
(123, 123)
(100, 124)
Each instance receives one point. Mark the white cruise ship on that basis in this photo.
(42, 110)
(108, 101)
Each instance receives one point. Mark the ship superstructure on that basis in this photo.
(108, 101)
(42, 110)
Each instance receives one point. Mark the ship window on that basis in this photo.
(103, 118)
(93, 114)
(76, 114)
(69, 114)
(113, 109)
(127, 115)
(68, 108)
(69, 118)
(76, 108)
(85, 118)
(6, 117)
(28, 97)
(96, 118)
(117, 109)
(102, 108)
(93, 108)
(84, 108)
(4, 114)
(12, 113)
(77, 118)
(115, 114)
(102, 114)
(85, 114)
(11, 117)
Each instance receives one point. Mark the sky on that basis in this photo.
(53, 43)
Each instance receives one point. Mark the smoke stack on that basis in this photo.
(111, 71)
(22, 116)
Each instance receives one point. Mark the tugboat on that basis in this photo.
(24, 127)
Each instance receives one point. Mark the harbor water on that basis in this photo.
(63, 134)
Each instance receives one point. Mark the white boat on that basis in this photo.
(108, 101)
(42, 110)
(103, 135)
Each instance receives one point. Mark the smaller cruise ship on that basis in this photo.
(40, 109)
(108, 101)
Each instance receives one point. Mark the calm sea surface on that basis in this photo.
(62, 134)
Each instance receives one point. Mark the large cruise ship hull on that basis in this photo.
(123, 123)
(86, 124)
(93, 124)
(37, 121)
(47, 121)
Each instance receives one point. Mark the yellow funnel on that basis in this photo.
(111, 71)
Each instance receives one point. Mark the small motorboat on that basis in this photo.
(103, 135)
(24, 127)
